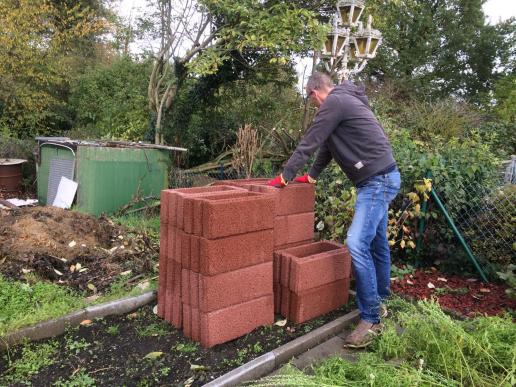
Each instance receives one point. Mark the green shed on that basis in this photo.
(109, 174)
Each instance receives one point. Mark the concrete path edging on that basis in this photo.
(265, 364)
(58, 326)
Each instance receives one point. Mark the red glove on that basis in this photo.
(278, 182)
(305, 179)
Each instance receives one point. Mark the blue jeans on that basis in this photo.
(368, 245)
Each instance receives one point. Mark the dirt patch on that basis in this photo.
(466, 296)
(115, 351)
(70, 248)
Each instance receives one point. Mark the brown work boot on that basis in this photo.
(363, 335)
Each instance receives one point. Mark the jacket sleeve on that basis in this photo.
(323, 158)
(327, 119)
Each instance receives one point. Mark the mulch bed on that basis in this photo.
(119, 358)
(468, 297)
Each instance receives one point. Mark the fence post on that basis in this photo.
(458, 235)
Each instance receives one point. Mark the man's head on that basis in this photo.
(318, 87)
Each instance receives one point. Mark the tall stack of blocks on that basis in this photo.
(314, 279)
(229, 259)
(216, 264)
(293, 223)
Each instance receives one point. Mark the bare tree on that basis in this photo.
(184, 31)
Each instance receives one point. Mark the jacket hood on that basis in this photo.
(349, 88)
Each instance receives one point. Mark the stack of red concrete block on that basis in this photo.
(234, 253)
(293, 222)
(216, 261)
(314, 279)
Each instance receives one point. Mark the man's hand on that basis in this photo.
(305, 179)
(278, 182)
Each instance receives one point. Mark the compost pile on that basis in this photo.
(71, 248)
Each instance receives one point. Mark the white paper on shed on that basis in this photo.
(65, 193)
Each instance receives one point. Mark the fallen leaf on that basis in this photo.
(155, 309)
(58, 272)
(112, 250)
(63, 260)
(72, 268)
(195, 367)
(78, 266)
(92, 288)
(72, 243)
(281, 323)
(86, 322)
(409, 282)
(83, 270)
(442, 279)
(153, 355)
(132, 315)
(25, 271)
(83, 245)
(484, 290)
(430, 285)
(189, 382)
(120, 237)
(127, 272)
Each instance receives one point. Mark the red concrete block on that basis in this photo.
(196, 324)
(316, 270)
(315, 302)
(171, 242)
(303, 251)
(296, 198)
(185, 250)
(293, 228)
(293, 199)
(194, 289)
(277, 297)
(276, 273)
(195, 246)
(185, 286)
(178, 246)
(192, 208)
(235, 287)
(177, 311)
(240, 213)
(187, 320)
(227, 324)
(235, 252)
(162, 279)
(176, 201)
(169, 291)
(285, 301)
(164, 205)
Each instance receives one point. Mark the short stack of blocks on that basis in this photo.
(314, 279)
(216, 261)
(294, 221)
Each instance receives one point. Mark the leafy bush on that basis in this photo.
(110, 101)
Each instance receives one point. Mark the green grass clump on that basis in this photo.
(25, 303)
(422, 346)
(33, 358)
(147, 224)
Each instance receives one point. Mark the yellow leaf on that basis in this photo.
(402, 244)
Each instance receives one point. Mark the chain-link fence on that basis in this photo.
(485, 213)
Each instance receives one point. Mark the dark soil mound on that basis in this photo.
(69, 247)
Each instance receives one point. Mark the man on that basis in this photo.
(346, 130)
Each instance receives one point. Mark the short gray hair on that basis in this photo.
(318, 81)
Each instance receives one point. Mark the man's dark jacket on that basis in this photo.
(346, 130)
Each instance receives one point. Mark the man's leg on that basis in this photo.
(382, 259)
(369, 211)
